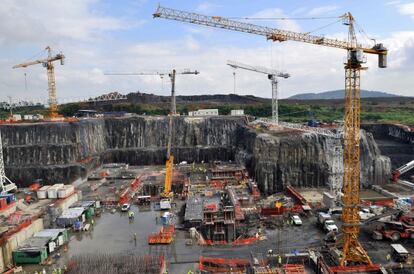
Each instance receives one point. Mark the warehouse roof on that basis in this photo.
(73, 212)
(49, 233)
(34, 243)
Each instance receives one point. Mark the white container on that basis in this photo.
(52, 191)
(42, 192)
(65, 191)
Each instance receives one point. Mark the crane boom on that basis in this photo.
(353, 252)
(270, 33)
(401, 170)
(258, 69)
(272, 75)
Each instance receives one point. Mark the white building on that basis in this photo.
(204, 112)
(237, 112)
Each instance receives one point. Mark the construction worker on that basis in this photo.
(388, 257)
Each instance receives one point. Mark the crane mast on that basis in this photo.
(352, 250)
(48, 64)
(272, 76)
(169, 163)
(5, 184)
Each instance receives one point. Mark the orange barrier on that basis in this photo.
(244, 241)
(165, 236)
(222, 265)
(294, 269)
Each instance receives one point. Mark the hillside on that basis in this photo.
(339, 94)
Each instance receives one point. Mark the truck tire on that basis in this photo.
(395, 236)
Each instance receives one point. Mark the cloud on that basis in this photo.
(276, 13)
(407, 9)
(391, 3)
(207, 7)
(44, 21)
(322, 10)
(91, 51)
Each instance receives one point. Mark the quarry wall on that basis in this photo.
(63, 152)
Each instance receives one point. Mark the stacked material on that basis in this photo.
(42, 192)
(65, 191)
(55, 191)
(109, 263)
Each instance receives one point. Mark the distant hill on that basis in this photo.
(339, 94)
(147, 98)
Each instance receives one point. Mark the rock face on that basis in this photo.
(306, 160)
(62, 152)
(394, 141)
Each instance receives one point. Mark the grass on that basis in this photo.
(395, 110)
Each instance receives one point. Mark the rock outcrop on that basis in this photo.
(62, 152)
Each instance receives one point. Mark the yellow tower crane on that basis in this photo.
(48, 64)
(352, 251)
(167, 193)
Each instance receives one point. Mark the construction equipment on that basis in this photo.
(393, 230)
(352, 251)
(5, 184)
(272, 75)
(401, 170)
(48, 64)
(167, 194)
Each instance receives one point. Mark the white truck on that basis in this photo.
(326, 222)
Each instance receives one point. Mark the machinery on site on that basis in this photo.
(272, 75)
(167, 194)
(353, 252)
(394, 231)
(5, 184)
(48, 64)
(401, 170)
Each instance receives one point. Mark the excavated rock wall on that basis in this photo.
(306, 159)
(57, 151)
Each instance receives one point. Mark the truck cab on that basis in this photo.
(330, 226)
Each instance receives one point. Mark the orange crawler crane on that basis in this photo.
(353, 252)
(165, 236)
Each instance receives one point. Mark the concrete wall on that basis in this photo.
(14, 241)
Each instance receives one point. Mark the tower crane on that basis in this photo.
(5, 184)
(272, 75)
(353, 252)
(48, 64)
(167, 193)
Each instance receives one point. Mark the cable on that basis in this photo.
(282, 18)
(325, 26)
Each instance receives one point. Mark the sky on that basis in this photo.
(101, 36)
